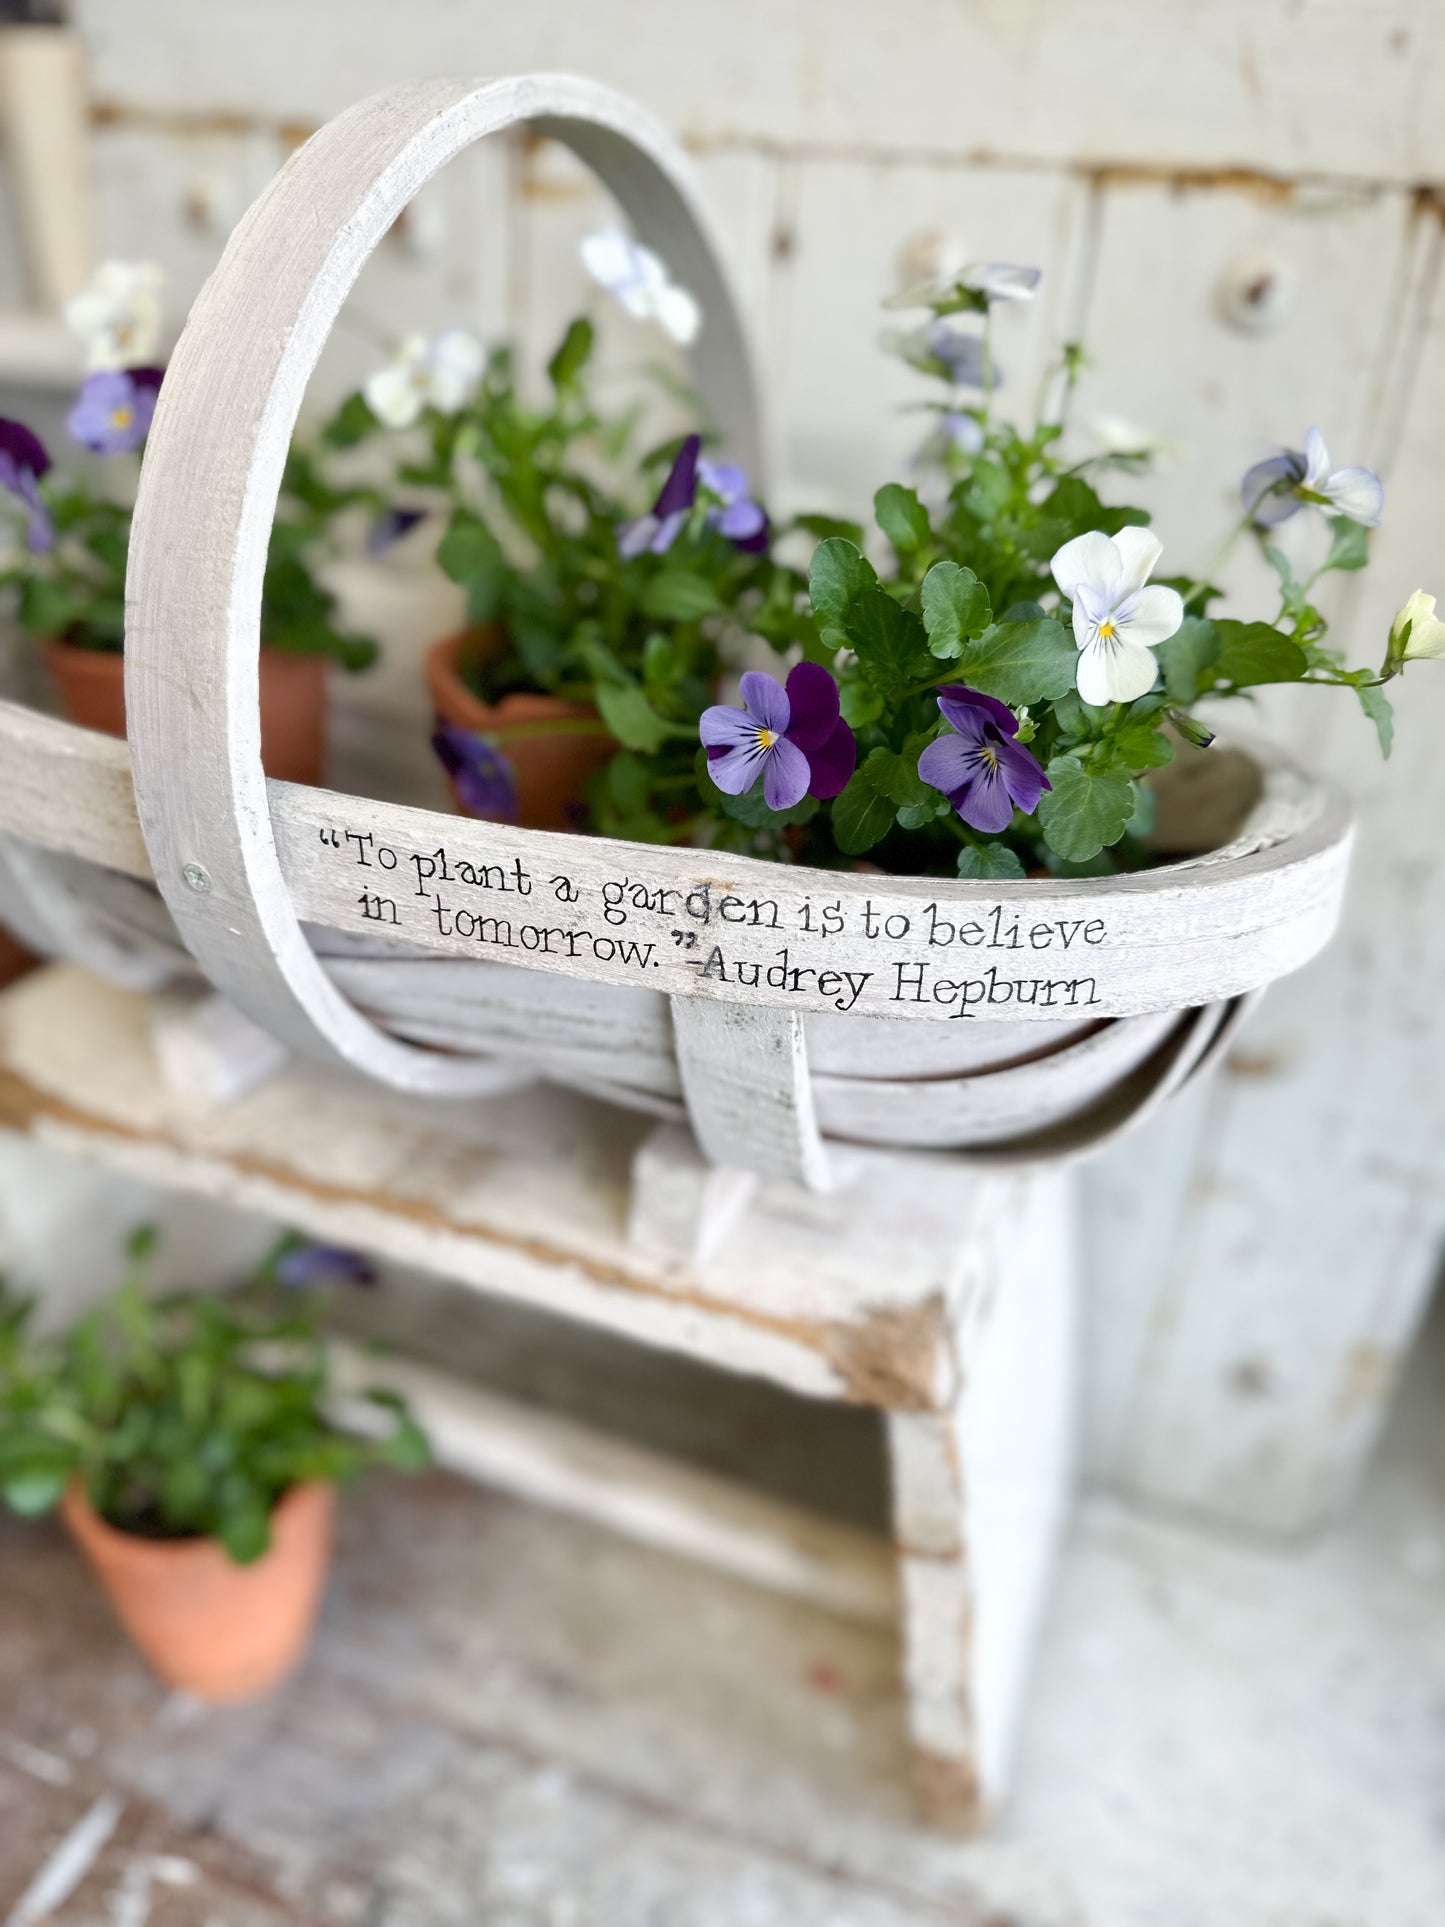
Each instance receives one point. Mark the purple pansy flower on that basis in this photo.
(112, 413)
(659, 529)
(390, 526)
(303, 1265)
(1278, 487)
(480, 773)
(982, 771)
(794, 737)
(742, 520)
(23, 461)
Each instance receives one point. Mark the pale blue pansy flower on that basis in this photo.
(1281, 485)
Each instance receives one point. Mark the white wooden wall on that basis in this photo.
(1258, 1263)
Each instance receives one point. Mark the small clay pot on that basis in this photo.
(14, 961)
(221, 1631)
(91, 683)
(550, 768)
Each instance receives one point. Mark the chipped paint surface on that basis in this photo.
(511, 1718)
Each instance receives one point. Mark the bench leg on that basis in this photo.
(980, 1494)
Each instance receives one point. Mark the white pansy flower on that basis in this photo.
(1417, 633)
(437, 373)
(641, 282)
(1119, 617)
(977, 286)
(117, 315)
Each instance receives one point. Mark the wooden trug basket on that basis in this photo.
(774, 1006)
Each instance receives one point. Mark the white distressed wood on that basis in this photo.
(235, 383)
(682, 1206)
(745, 1077)
(837, 1296)
(1238, 380)
(1332, 88)
(980, 1494)
(44, 100)
(1313, 1163)
(946, 1304)
(1069, 1087)
(207, 1051)
(558, 1462)
(1155, 940)
(906, 224)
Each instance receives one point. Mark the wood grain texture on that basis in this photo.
(560, 1463)
(208, 493)
(1066, 1087)
(1330, 88)
(841, 1296)
(744, 1076)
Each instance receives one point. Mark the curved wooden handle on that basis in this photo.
(213, 471)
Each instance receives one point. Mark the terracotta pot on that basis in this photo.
(218, 1630)
(14, 962)
(293, 703)
(550, 768)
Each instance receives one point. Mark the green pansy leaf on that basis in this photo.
(352, 423)
(888, 641)
(1251, 653)
(901, 516)
(1349, 544)
(994, 862)
(895, 775)
(573, 354)
(630, 716)
(840, 572)
(1021, 662)
(827, 526)
(628, 783)
(955, 607)
(1186, 656)
(912, 817)
(1085, 810)
(469, 550)
(679, 595)
(1023, 612)
(861, 815)
(34, 1487)
(1376, 705)
(245, 1531)
(1139, 744)
(859, 704)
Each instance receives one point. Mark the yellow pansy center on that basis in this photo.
(766, 738)
(122, 417)
(1106, 629)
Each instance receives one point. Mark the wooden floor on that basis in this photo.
(512, 1720)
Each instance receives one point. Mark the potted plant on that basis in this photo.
(190, 1446)
(989, 688)
(990, 696)
(581, 643)
(67, 573)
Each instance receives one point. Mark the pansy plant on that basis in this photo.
(66, 577)
(1016, 672)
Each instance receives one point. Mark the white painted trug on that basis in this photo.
(201, 528)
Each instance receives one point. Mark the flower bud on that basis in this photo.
(1190, 728)
(1416, 633)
